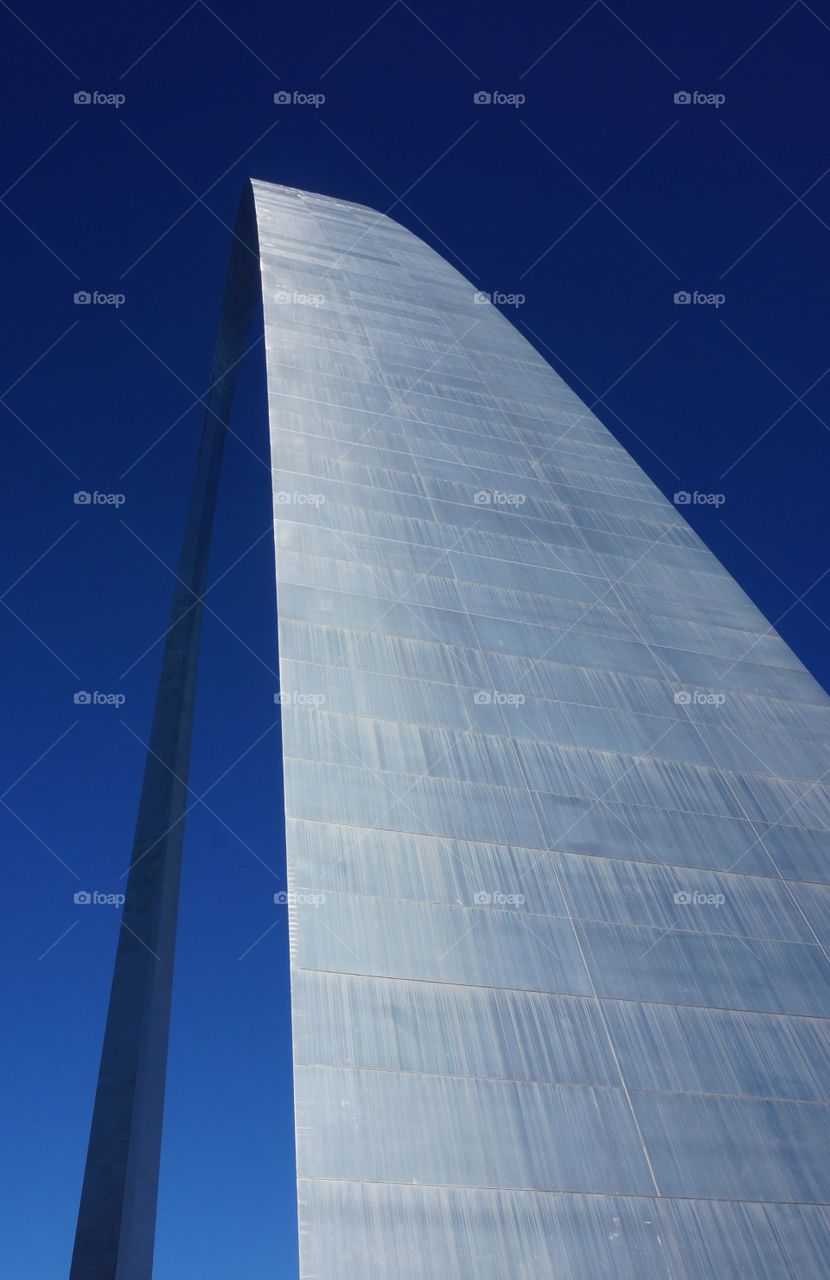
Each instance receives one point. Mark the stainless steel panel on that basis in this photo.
(411, 1026)
(330, 645)
(611, 830)
(684, 1050)
(385, 1127)
(679, 898)
(400, 802)
(414, 1232)
(765, 1150)
(391, 864)
(389, 746)
(798, 854)
(764, 1241)
(715, 970)
(477, 945)
(388, 697)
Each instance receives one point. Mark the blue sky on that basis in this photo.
(598, 198)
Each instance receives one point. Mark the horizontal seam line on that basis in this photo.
(549, 1191)
(589, 602)
(548, 915)
(546, 662)
(522, 790)
(572, 995)
(617, 1088)
(340, 822)
(736, 727)
(648, 754)
(772, 877)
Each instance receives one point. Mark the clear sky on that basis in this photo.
(598, 198)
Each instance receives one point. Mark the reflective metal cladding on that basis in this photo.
(558, 829)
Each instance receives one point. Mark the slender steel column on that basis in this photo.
(116, 1220)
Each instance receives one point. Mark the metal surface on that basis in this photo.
(558, 829)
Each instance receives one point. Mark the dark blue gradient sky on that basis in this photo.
(598, 198)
